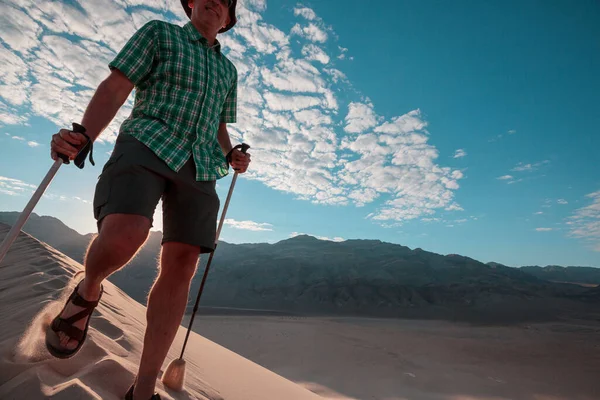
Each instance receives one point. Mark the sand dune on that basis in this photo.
(332, 358)
(32, 278)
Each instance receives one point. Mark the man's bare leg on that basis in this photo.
(166, 306)
(119, 239)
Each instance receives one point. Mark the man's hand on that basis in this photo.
(240, 161)
(66, 142)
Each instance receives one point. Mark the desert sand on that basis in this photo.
(284, 357)
(388, 359)
(33, 275)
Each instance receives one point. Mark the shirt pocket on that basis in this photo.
(221, 90)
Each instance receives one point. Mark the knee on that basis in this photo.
(124, 233)
(179, 261)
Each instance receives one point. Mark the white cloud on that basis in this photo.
(14, 187)
(313, 117)
(496, 138)
(258, 5)
(282, 102)
(562, 201)
(539, 213)
(19, 30)
(585, 222)
(460, 153)
(397, 163)
(305, 12)
(293, 76)
(29, 143)
(500, 136)
(249, 225)
(315, 53)
(264, 39)
(336, 74)
(288, 102)
(520, 167)
(360, 117)
(13, 77)
(312, 32)
(81, 200)
(10, 116)
(58, 63)
(405, 126)
(454, 207)
(544, 229)
(17, 187)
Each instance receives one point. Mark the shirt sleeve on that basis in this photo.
(136, 58)
(229, 112)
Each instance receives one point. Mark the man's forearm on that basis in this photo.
(223, 138)
(103, 107)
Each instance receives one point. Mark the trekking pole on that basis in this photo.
(174, 375)
(24, 216)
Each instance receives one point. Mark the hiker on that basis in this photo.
(173, 146)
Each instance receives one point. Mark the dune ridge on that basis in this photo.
(33, 277)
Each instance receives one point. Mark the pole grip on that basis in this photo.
(78, 129)
(244, 148)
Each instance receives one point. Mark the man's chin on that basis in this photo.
(209, 19)
(213, 12)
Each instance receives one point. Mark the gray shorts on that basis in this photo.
(133, 181)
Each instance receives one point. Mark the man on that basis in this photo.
(173, 146)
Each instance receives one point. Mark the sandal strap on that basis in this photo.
(66, 324)
(129, 395)
(79, 301)
(60, 325)
(80, 315)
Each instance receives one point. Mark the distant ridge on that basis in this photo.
(306, 275)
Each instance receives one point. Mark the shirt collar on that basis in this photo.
(196, 36)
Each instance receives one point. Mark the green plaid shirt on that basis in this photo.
(183, 89)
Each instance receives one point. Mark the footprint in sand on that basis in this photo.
(46, 263)
(51, 284)
(104, 326)
(116, 310)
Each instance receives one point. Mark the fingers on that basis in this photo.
(240, 161)
(67, 143)
(238, 156)
(71, 137)
(59, 145)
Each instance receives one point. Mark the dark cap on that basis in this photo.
(232, 17)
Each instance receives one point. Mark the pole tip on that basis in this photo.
(174, 376)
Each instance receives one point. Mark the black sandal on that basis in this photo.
(65, 325)
(129, 395)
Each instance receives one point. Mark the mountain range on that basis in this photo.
(305, 275)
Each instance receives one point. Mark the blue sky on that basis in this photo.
(451, 126)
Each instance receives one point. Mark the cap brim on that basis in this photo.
(232, 17)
